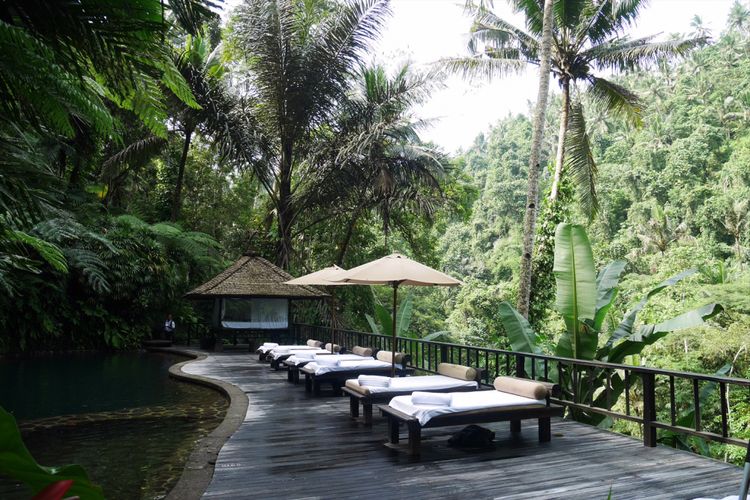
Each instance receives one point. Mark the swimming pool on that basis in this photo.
(118, 415)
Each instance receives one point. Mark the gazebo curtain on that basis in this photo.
(256, 313)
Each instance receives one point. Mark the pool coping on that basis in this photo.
(200, 465)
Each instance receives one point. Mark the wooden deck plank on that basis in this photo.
(293, 445)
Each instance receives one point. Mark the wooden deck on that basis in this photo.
(292, 445)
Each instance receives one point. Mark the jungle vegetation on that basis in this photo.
(140, 154)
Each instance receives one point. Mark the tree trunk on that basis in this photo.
(347, 238)
(561, 141)
(532, 193)
(285, 209)
(177, 199)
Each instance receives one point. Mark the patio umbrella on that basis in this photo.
(396, 270)
(324, 277)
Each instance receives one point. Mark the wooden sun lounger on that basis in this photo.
(514, 414)
(337, 379)
(367, 400)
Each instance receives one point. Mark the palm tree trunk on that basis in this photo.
(177, 198)
(561, 141)
(285, 211)
(532, 193)
(347, 238)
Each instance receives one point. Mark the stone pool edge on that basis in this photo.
(199, 468)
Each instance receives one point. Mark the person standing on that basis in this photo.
(169, 327)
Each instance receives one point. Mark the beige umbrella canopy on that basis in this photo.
(324, 277)
(395, 270)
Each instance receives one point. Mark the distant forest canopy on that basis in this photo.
(127, 209)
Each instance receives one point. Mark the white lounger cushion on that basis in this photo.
(374, 381)
(348, 366)
(300, 357)
(421, 383)
(277, 354)
(419, 398)
(460, 402)
(265, 348)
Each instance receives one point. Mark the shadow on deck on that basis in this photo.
(293, 445)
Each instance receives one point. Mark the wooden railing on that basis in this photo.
(590, 390)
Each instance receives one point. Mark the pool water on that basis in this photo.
(118, 415)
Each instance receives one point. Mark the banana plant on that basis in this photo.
(584, 299)
(17, 464)
(382, 322)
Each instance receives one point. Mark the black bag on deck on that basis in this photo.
(473, 436)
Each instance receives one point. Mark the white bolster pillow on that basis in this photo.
(374, 381)
(431, 398)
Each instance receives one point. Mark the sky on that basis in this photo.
(424, 31)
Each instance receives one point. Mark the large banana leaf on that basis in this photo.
(606, 291)
(648, 334)
(575, 278)
(374, 326)
(383, 316)
(403, 316)
(17, 463)
(625, 328)
(522, 337)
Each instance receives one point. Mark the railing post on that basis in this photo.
(443, 353)
(649, 409)
(520, 368)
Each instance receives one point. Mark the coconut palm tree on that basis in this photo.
(377, 161)
(532, 192)
(299, 58)
(587, 37)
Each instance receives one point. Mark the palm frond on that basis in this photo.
(482, 68)
(616, 99)
(624, 55)
(580, 166)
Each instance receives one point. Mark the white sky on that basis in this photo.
(424, 31)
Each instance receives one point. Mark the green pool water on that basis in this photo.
(118, 415)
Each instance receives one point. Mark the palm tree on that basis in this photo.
(201, 66)
(586, 37)
(298, 58)
(532, 193)
(376, 161)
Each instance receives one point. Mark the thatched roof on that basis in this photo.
(253, 276)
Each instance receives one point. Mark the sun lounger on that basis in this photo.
(294, 363)
(514, 399)
(267, 347)
(277, 358)
(450, 378)
(336, 375)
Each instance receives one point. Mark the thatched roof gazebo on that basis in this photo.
(251, 294)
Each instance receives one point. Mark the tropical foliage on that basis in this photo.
(17, 463)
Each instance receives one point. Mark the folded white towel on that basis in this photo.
(431, 398)
(374, 381)
(270, 344)
(327, 360)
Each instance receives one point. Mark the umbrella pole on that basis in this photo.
(393, 330)
(333, 320)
